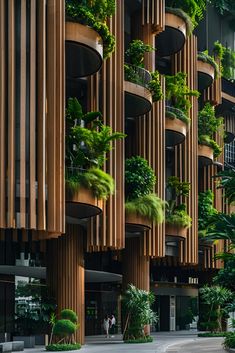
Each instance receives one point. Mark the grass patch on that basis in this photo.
(146, 339)
(212, 334)
(63, 347)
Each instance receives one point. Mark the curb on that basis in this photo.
(230, 350)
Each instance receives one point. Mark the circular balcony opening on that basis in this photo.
(138, 98)
(84, 50)
(206, 75)
(171, 40)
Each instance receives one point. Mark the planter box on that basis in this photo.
(29, 341)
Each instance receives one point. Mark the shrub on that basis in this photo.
(149, 206)
(206, 211)
(64, 328)
(206, 58)
(155, 86)
(174, 113)
(69, 314)
(136, 51)
(145, 339)
(95, 17)
(56, 347)
(139, 178)
(229, 341)
(212, 334)
(228, 64)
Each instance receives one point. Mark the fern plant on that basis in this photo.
(206, 212)
(149, 206)
(88, 141)
(194, 8)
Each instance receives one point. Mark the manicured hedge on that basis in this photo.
(56, 347)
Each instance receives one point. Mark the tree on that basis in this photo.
(137, 306)
(215, 297)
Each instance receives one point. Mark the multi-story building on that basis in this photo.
(86, 250)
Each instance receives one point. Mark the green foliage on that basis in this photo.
(194, 8)
(174, 113)
(100, 183)
(93, 13)
(206, 211)
(145, 339)
(227, 183)
(63, 328)
(206, 58)
(149, 206)
(69, 314)
(139, 178)
(212, 334)
(137, 306)
(176, 214)
(215, 297)
(185, 17)
(179, 188)
(226, 275)
(136, 51)
(224, 7)
(228, 63)
(86, 150)
(218, 50)
(178, 93)
(224, 226)
(229, 341)
(155, 86)
(132, 74)
(208, 125)
(57, 347)
(33, 314)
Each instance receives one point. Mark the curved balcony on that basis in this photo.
(138, 98)
(205, 155)
(173, 38)
(137, 224)
(206, 75)
(229, 136)
(175, 130)
(81, 203)
(84, 50)
(174, 231)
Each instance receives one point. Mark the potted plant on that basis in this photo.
(177, 219)
(142, 205)
(138, 313)
(178, 104)
(208, 125)
(33, 309)
(63, 331)
(88, 141)
(136, 74)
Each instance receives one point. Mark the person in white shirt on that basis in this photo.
(112, 324)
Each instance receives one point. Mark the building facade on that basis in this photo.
(83, 250)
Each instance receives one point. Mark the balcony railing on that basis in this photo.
(137, 75)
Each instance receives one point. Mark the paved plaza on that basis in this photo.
(164, 342)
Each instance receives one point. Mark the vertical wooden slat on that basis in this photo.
(41, 116)
(11, 115)
(2, 117)
(23, 115)
(32, 119)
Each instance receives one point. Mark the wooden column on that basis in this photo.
(65, 273)
(135, 265)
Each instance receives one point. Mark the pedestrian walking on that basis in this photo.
(106, 325)
(112, 325)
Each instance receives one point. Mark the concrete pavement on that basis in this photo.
(200, 345)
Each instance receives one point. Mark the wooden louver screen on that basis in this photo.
(32, 116)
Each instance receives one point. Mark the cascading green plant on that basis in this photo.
(208, 125)
(193, 8)
(134, 69)
(176, 213)
(94, 14)
(178, 96)
(88, 141)
(139, 185)
(206, 212)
